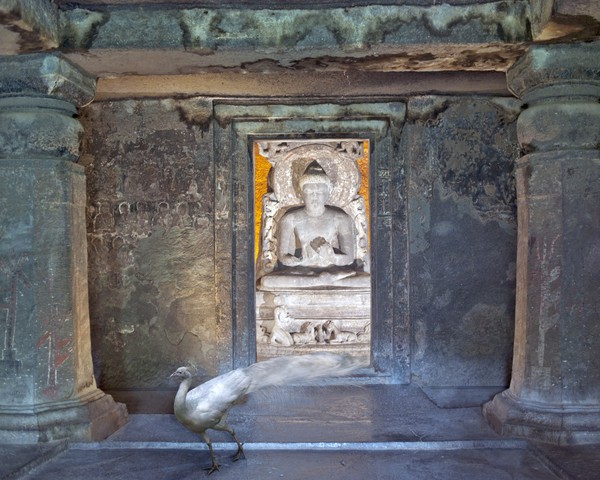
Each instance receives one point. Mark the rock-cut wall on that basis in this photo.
(150, 240)
(151, 227)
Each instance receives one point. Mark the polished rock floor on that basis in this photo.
(335, 432)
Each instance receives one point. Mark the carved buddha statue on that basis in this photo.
(316, 242)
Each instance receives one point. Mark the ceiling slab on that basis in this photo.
(112, 38)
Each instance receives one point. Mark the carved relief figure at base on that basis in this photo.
(335, 335)
(306, 336)
(280, 334)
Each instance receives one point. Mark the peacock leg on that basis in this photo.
(215, 465)
(226, 428)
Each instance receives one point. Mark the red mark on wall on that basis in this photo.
(12, 267)
(59, 349)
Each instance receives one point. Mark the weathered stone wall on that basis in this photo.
(462, 225)
(151, 213)
(151, 242)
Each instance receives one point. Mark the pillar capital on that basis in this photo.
(45, 75)
(39, 98)
(556, 70)
(560, 85)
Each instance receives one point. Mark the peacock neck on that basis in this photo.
(184, 387)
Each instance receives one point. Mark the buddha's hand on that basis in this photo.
(326, 253)
(291, 260)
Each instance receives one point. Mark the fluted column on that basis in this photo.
(554, 393)
(47, 386)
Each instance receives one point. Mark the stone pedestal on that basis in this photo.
(554, 394)
(348, 309)
(47, 386)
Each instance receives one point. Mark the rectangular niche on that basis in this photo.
(312, 247)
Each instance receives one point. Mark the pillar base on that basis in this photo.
(90, 419)
(560, 425)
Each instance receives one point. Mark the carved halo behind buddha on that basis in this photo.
(313, 255)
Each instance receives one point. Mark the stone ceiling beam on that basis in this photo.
(112, 38)
(273, 30)
(303, 84)
(151, 37)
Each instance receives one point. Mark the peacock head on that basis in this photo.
(182, 372)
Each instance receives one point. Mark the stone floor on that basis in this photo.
(335, 432)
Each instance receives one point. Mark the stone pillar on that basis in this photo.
(554, 395)
(47, 386)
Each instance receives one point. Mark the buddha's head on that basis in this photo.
(315, 187)
(314, 174)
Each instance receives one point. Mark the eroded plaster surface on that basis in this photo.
(462, 207)
(151, 240)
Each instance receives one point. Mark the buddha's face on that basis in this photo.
(315, 197)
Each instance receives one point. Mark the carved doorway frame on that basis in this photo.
(238, 126)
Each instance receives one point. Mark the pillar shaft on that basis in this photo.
(555, 388)
(47, 386)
